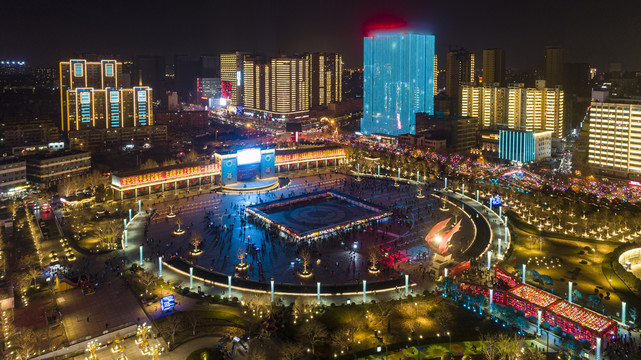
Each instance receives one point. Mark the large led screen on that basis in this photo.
(248, 156)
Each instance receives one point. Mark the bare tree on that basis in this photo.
(169, 162)
(66, 188)
(179, 221)
(96, 179)
(107, 232)
(490, 346)
(33, 272)
(313, 332)
(374, 256)
(149, 164)
(25, 344)
(146, 279)
(196, 240)
(339, 340)
(193, 319)
(170, 327)
(305, 258)
(191, 156)
(291, 351)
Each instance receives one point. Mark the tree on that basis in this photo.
(170, 327)
(146, 279)
(196, 240)
(96, 179)
(107, 232)
(339, 340)
(190, 157)
(314, 332)
(305, 258)
(33, 272)
(491, 348)
(374, 255)
(193, 319)
(179, 221)
(256, 351)
(149, 164)
(25, 344)
(66, 188)
(291, 351)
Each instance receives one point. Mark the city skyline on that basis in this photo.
(166, 30)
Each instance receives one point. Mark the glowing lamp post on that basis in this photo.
(229, 286)
(140, 248)
(477, 196)
(569, 291)
(364, 291)
(539, 323)
(160, 266)
(407, 284)
(129, 215)
(318, 293)
(462, 189)
(139, 206)
(623, 310)
(445, 184)
(523, 273)
(272, 288)
(191, 277)
(598, 348)
(125, 238)
(489, 260)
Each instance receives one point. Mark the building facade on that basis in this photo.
(460, 70)
(458, 131)
(277, 89)
(398, 82)
(324, 78)
(515, 107)
(47, 168)
(13, 174)
(614, 146)
(231, 77)
(524, 146)
(553, 66)
(94, 101)
(494, 66)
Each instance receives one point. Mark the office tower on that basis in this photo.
(553, 67)
(288, 88)
(231, 77)
(324, 78)
(150, 71)
(494, 66)
(91, 97)
(460, 69)
(398, 82)
(13, 67)
(435, 74)
(613, 147)
(515, 107)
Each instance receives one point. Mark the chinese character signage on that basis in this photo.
(226, 89)
(311, 155)
(169, 174)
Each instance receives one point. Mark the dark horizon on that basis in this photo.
(44, 33)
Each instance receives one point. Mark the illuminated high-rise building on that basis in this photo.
(288, 88)
(278, 88)
(231, 77)
(494, 66)
(487, 103)
(515, 107)
(398, 82)
(435, 74)
(91, 97)
(614, 147)
(460, 70)
(324, 78)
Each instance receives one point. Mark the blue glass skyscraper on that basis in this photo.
(398, 82)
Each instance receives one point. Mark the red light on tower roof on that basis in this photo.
(382, 23)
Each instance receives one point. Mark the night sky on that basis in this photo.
(46, 31)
